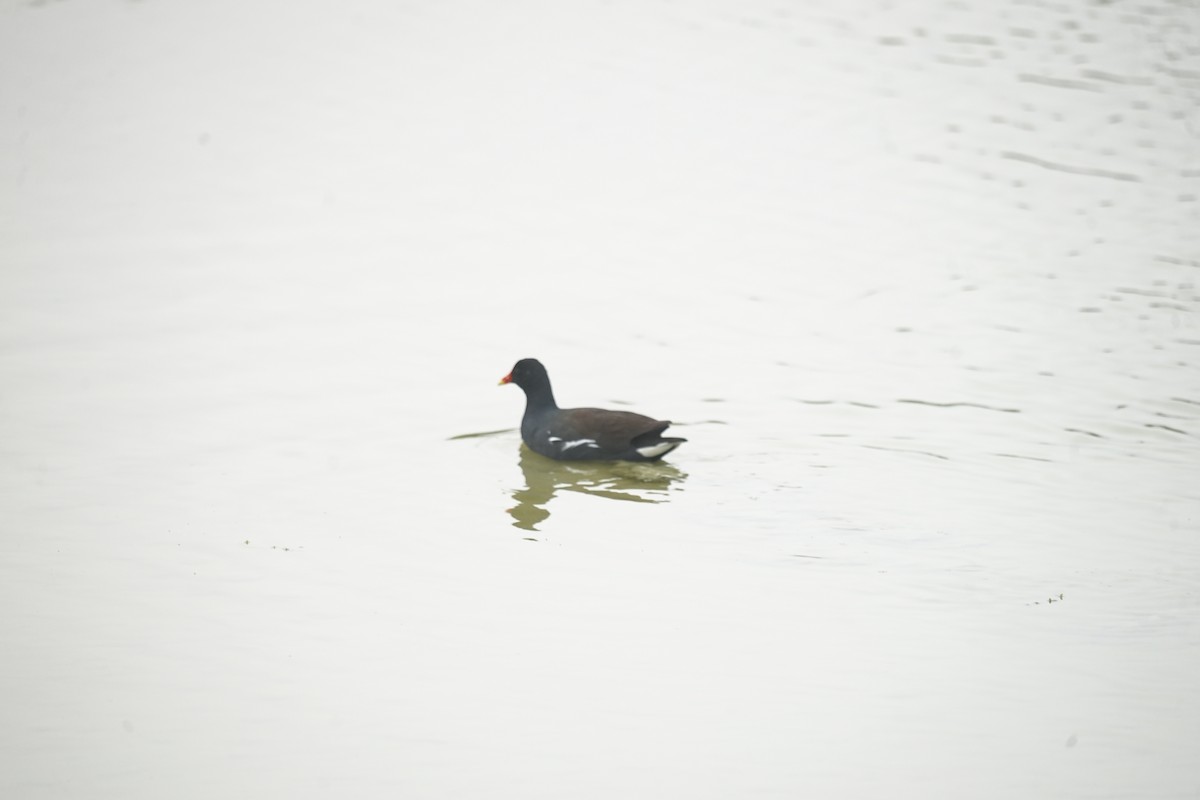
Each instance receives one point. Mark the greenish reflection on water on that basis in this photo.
(615, 480)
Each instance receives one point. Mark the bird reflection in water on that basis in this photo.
(615, 480)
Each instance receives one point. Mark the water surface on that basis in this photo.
(917, 283)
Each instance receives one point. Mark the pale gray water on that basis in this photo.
(917, 281)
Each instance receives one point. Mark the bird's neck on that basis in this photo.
(540, 398)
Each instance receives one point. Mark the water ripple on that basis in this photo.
(955, 404)
(1095, 172)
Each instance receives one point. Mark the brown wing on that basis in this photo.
(612, 430)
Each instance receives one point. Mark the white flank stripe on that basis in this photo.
(575, 443)
(553, 439)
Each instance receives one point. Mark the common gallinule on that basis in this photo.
(578, 434)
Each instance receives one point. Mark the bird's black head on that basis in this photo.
(528, 373)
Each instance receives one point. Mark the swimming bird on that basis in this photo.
(583, 434)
